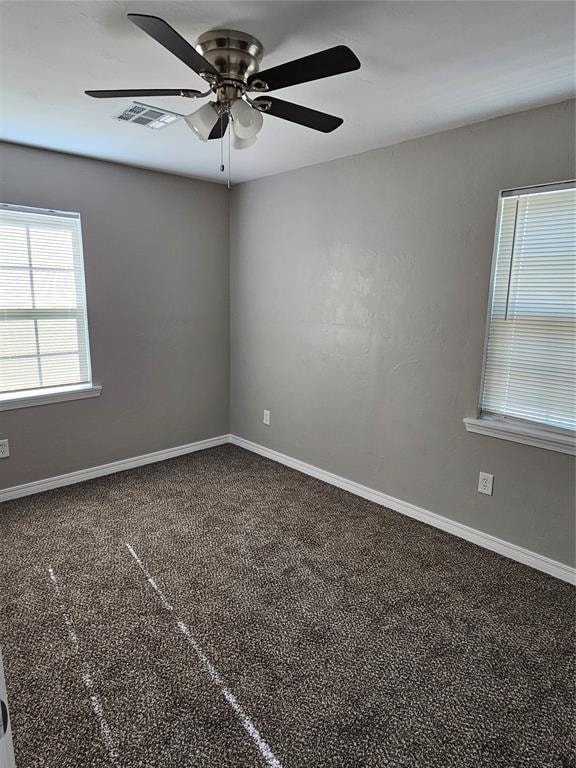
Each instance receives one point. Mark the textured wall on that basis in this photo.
(156, 261)
(359, 291)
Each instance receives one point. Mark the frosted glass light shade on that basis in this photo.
(242, 143)
(246, 120)
(203, 120)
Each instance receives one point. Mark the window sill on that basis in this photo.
(540, 437)
(46, 396)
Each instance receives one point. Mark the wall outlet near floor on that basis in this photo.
(266, 418)
(4, 449)
(485, 483)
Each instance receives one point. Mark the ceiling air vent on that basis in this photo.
(151, 117)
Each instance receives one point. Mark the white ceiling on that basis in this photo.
(426, 66)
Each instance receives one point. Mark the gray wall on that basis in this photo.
(358, 294)
(156, 259)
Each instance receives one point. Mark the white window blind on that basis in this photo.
(530, 356)
(43, 326)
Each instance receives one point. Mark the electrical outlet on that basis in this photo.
(485, 483)
(4, 449)
(266, 418)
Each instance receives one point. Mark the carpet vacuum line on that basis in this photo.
(87, 679)
(247, 724)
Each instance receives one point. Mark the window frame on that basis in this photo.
(505, 427)
(60, 393)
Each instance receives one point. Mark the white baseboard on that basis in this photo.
(108, 469)
(512, 551)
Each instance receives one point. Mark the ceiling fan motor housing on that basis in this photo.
(236, 55)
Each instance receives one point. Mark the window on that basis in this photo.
(44, 351)
(529, 379)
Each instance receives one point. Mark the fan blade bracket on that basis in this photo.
(262, 105)
(258, 85)
(211, 79)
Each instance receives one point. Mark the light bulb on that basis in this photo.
(246, 120)
(203, 120)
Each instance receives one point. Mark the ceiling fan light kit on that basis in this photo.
(242, 143)
(229, 62)
(203, 120)
(246, 121)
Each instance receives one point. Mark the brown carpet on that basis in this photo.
(284, 623)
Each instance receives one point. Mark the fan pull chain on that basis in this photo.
(229, 132)
(221, 147)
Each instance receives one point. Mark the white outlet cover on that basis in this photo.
(266, 418)
(4, 449)
(485, 483)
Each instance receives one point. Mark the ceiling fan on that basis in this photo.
(229, 63)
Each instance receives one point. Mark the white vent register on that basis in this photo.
(150, 117)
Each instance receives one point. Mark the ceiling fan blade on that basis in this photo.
(311, 118)
(220, 128)
(332, 61)
(163, 33)
(137, 92)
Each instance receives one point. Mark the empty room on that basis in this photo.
(287, 384)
